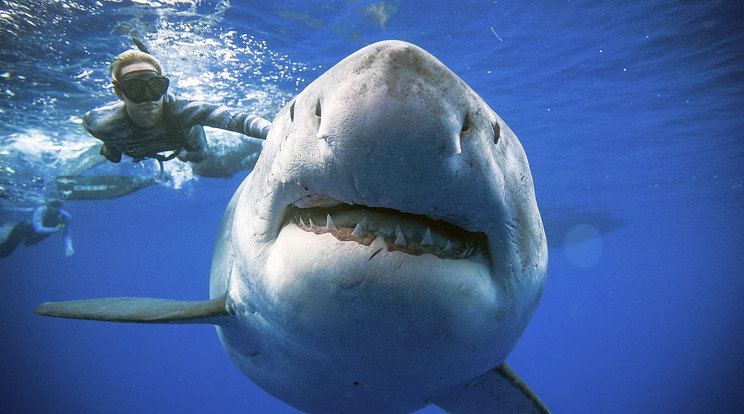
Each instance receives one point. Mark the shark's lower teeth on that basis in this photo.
(409, 236)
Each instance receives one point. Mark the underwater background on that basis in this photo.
(629, 111)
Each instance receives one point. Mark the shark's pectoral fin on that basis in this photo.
(499, 390)
(141, 310)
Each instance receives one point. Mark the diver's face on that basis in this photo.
(53, 208)
(146, 113)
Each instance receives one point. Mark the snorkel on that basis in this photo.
(141, 46)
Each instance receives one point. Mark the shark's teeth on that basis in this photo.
(426, 241)
(329, 223)
(400, 239)
(358, 231)
(406, 234)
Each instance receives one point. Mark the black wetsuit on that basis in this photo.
(179, 128)
(39, 228)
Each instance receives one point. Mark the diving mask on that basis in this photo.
(140, 90)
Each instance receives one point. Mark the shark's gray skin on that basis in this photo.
(385, 254)
(228, 157)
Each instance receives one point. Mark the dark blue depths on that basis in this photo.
(629, 113)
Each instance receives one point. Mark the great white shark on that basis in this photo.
(385, 254)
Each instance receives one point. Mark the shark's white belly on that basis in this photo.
(347, 331)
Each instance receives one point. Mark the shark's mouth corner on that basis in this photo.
(412, 234)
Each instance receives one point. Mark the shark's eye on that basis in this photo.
(317, 109)
(291, 111)
(496, 132)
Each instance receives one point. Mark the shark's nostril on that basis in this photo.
(465, 124)
(317, 109)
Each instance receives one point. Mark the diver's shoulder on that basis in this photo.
(105, 117)
(174, 103)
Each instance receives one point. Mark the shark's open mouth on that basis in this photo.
(409, 233)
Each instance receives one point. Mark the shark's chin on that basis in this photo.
(350, 293)
(321, 273)
(348, 313)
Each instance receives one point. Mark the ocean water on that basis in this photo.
(629, 111)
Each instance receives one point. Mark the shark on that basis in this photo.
(385, 254)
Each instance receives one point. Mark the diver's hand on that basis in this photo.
(183, 155)
(190, 156)
(110, 155)
(69, 251)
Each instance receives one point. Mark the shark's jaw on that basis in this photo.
(413, 234)
(374, 297)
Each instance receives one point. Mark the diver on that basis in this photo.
(148, 122)
(46, 219)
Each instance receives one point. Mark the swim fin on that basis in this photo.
(99, 187)
(141, 46)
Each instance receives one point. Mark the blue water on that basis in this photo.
(629, 112)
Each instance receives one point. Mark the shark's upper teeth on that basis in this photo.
(400, 239)
(426, 241)
(398, 231)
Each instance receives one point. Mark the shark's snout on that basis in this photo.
(398, 99)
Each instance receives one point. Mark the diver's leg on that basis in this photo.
(15, 237)
(33, 237)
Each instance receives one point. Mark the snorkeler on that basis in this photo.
(147, 121)
(46, 220)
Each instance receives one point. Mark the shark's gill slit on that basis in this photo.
(496, 132)
(291, 111)
(317, 109)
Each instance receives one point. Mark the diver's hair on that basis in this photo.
(132, 56)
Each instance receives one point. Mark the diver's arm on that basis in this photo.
(254, 126)
(37, 221)
(66, 219)
(196, 147)
(111, 153)
(217, 116)
(102, 123)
